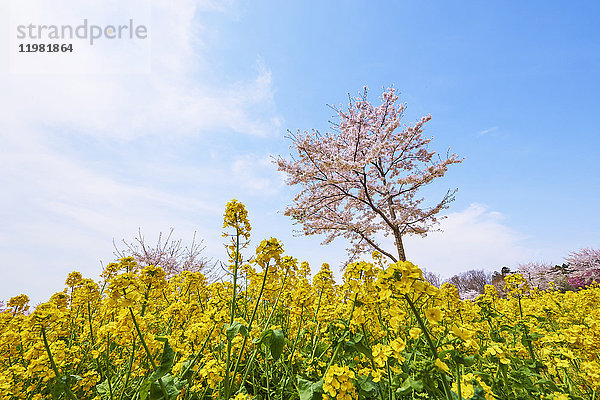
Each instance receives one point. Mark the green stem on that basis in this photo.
(389, 374)
(233, 299)
(54, 367)
(429, 341)
(505, 378)
(277, 299)
(354, 302)
(150, 358)
(71, 336)
(235, 270)
(129, 366)
(265, 327)
(200, 351)
(262, 288)
(422, 325)
(291, 357)
(296, 339)
(108, 366)
(337, 348)
(146, 299)
(368, 345)
(194, 360)
(315, 333)
(90, 322)
(21, 347)
(527, 338)
(353, 307)
(458, 381)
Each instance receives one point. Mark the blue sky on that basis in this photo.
(89, 156)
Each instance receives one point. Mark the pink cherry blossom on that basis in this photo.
(363, 178)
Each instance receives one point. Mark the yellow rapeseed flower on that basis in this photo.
(434, 315)
(236, 217)
(73, 279)
(19, 303)
(462, 333)
(414, 332)
(267, 250)
(398, 346)
(337, 382)
(442, 366)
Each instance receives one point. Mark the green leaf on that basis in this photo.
(166, 360)
(467, 361)
(356, 343)
(103, 389)
(61, 384)
(539, 318)
(277, 342)
(234, 329)
(355, 338)
(166, 363)
(144, 390)
(548, 383)
(172, 385)
(479, 393)
(367, 388)
(410, 384)
(273, 340)
(496, 337)
(535, 336)
(310, 391)
(58, 386)
(416, 384)
(186, 369)
(264, 336)
(483, 375)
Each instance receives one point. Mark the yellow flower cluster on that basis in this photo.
(236, 217)
(470, 384)
(337, 383)
(383, 331)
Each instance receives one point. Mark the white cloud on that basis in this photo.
(256, 174)
(182, 95)
(475, 238)
(86, 157)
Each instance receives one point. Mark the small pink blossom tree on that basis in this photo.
(541, 274)
(364, 177)
(586, 266)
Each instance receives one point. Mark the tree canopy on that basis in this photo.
(363, 177)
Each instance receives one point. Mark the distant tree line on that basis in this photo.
(581, 269)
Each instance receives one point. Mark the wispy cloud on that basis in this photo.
(474, 238)
(182, 96)
(488, 130)
(256, 175)
(89, 158)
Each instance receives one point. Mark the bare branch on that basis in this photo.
(166, 253)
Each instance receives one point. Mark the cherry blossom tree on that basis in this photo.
(363, 178)
(541, 274)
(586, 266)
(471, 283)
(167, 253)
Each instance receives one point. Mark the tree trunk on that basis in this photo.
(399, 246)
(396, 230)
